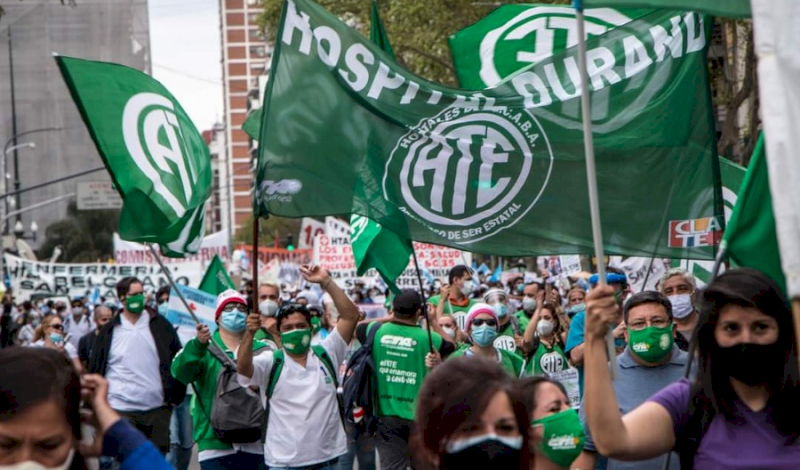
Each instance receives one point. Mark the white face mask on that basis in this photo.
(449, 332)
(681, 305)
(467, 288)
(529, 304)
(34, 465)
(545, 327)
(268, 308)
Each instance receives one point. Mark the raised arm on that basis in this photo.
(244, 361)
(348, 312)
(528, 336)
(645, 432)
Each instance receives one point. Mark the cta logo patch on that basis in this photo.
(469, 173)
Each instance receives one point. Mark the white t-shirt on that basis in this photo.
(77, 329)
(72, 353)
(134, 379)
(304, 425)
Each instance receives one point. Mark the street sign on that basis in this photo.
(98, 195)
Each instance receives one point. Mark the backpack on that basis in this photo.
(237, 416)
(277, 366)
(701, 412)
(359, 389)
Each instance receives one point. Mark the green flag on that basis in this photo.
(216, 279)
(750, 237)
(726, 8)
(252, 124)
(346, 130)
(157, 159)
(377, 33)
(513, 37)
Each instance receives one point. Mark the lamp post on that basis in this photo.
(19, 231)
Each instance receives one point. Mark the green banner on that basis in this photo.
(348, 131)
(727, 8)
(157, 159)
(216, 280)
(513, 37)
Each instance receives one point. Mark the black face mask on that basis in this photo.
(486, 455)
(751, 364)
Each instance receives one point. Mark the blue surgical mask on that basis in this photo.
(233, 321)
(483, 335)
(501, 310)
(56, 338)
(520, 288)
(163, 308)
(575, 309)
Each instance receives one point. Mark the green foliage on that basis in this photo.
(417, 29)
(266, 232)
(84, 236)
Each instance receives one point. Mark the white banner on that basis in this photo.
(336, 228)
(636, 270)
(570, 264)
(336, 255)
(309, 229)
(202, 304)
(126, 252)
(61, 279)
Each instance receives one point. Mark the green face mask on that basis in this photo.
(562, 437)
(652, 343)
(296, 342)
(135, 303)
(316, 324)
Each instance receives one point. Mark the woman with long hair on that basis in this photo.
(544, 338)
(470, 414)
(40, 417)
(557, 435)
(50, 334)
(740, 412)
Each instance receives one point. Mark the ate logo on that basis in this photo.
(470, 173)
(552, 362)
(505, 342)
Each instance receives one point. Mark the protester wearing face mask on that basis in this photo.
(482, 329)
(451, 330)
(50, 334)
(741, 410)
(528, 303)
(196, 364)
(544, 339)
(576, 297)
(509, 332)
(86, 345)
(471, 415)
(78, 323)
(134, 352)
(269, 295)
(460, 289)
(680, 287)
(650, 362)
(41, 417)
(27, 323)
(556, 433)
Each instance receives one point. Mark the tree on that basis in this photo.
(84, 236)
(266, 231)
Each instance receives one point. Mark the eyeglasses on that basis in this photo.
(658, 322)
(234, 306)
(57, 326)
(484, 321)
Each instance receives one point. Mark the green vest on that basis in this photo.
(510, 362)
(399, 354)
(547, 360)
(505, 341)
(459, 313)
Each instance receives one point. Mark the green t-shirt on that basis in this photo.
(511, 363)
(262, 335)
(547, 360)
(505, 340)
(399, 354)
(524, 320)
(458, 312)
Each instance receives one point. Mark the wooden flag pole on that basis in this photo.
(424, 301)
(254, 299)
(591, 174)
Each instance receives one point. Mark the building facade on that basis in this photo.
(30, 32)
(218, 206)
(246, 58)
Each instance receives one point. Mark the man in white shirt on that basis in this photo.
(78, 323)
(304, 427)
(134, 352)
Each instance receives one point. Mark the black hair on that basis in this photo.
(407, 304)
(289, 309)
(712, 390)
(529, 385)
(647, 297)
(457, 272)
(32, 376)
(124, 285)
(162, 290)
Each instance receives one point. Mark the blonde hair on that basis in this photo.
(46, 321)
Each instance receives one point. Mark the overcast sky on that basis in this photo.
(185, 40)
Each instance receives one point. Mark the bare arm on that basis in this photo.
(586, 461)
(244, 361)
(527, 339)
(576, 354)
(645, 432)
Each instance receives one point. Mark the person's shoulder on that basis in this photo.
(513, 357)
(434, 300)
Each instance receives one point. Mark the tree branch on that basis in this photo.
(405, 48)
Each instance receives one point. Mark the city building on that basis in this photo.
(219, 203)
(245, 60)
(56, 143)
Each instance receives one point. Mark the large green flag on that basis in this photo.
(216, 280)
(727, 8)
(157, 159)
(373, 245)
(750, 238)
(513, 37)
(346, 130)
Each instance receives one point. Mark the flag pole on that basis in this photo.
(254, 299)
(424, 300)
(591, 174)
(211, 343)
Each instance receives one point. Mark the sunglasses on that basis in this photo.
(482, 321)
(293, 308)
(57, 326)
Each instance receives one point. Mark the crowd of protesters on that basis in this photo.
(472, 374)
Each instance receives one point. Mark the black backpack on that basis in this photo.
(359, 388)
(701, 413)
(237, 416)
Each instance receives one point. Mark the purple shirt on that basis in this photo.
(754, 445)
